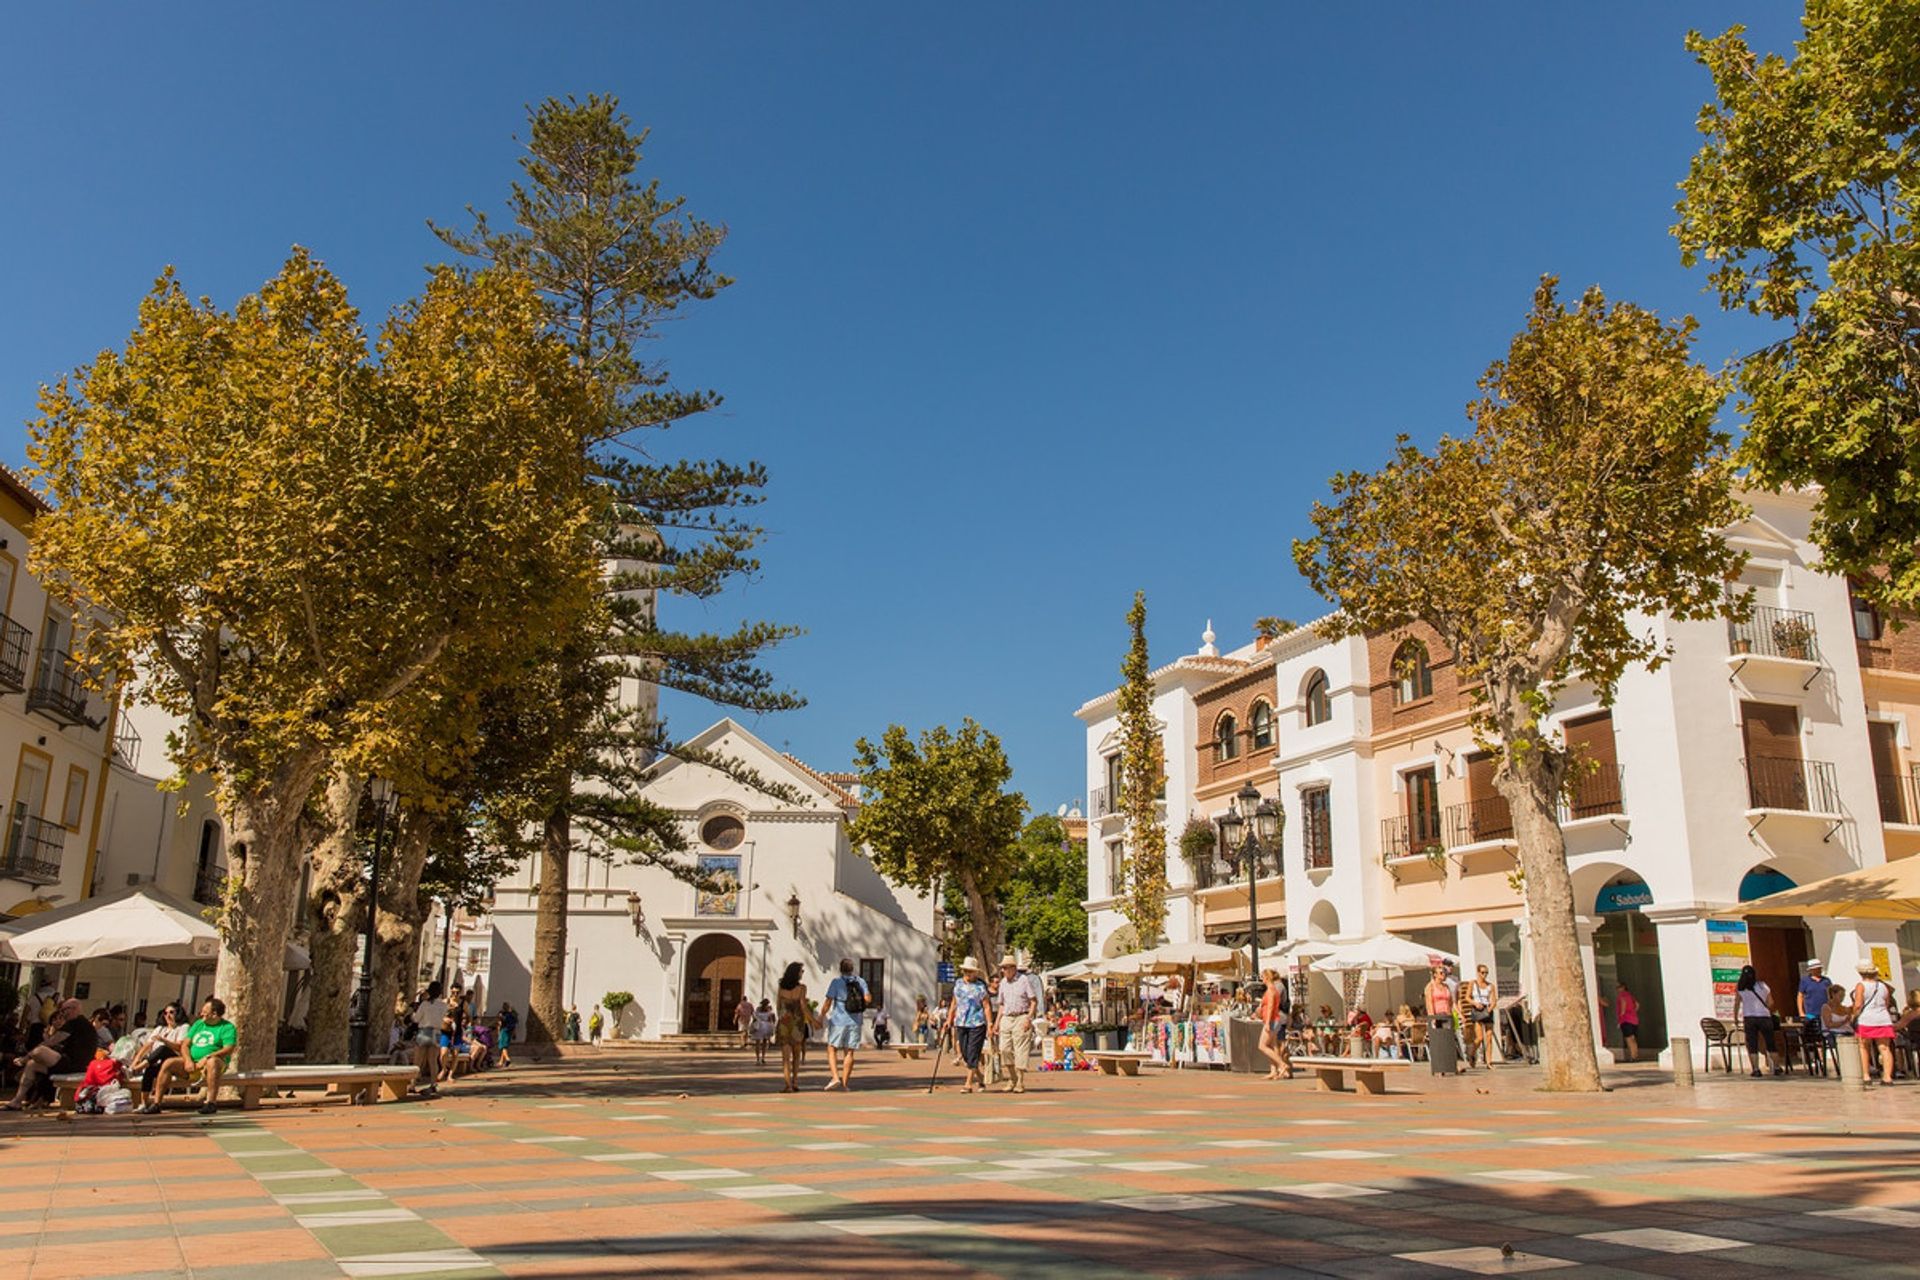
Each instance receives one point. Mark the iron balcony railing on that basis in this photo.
(1410, 834)
(1782, 782)
(1102, 802)
(1594, 793)
(126, 742)
(209, 884)
(1899, 799)
(34, 847)
(57, 688)
(1775, 633)
(16, 643)
(1479, 821)
(1212, 873)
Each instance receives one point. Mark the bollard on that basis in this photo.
(1846, 1056)
(1682, 1049)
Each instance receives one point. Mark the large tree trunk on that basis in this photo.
(547, 1001)
(1568, 1053)
(989, 929)
(336, 910)
(257, 914)
(397, 923)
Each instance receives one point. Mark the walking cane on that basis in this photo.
(939, 1047)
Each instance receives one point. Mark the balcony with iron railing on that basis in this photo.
(126, 742)
(1789, 785)
(1100, 804)
(34, 848)
(1486, 820)
(1410, 835)
(209, 884)
(58, 691)
(1783, 634)
(1899, 799)
(16, 646)
(1593, 793)
(1217, 872)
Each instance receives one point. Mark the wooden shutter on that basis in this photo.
(1770, 730)
(1591, 738)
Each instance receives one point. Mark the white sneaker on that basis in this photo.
(832, 1084)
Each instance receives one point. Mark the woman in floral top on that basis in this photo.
(969, 1015)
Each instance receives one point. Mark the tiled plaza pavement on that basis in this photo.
(695, 1165)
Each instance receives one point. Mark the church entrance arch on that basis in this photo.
(716, 977)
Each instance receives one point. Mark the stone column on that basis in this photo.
(1584, 927)
(670, 983)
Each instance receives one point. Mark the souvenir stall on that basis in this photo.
(1172, 1024)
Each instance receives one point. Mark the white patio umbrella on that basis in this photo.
(142, 922)
(1206, 956)
(1383, 952)
(1066, 972)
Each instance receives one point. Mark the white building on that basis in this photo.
(803, 893)
(1764, 754)
(86, 815)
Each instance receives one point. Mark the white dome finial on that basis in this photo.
(1207, 649)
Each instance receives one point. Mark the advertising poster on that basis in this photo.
(1728, 953)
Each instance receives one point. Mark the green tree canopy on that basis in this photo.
(1044, 915)
(1590, 495)
(1801, 199)
(936, 811)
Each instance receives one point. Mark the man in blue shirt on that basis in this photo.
(1813, 994)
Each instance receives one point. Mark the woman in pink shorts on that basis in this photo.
(1874, 1016)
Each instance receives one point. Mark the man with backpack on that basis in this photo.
(846, 1000)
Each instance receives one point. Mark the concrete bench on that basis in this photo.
(910, 1049)
(359, 1084)
(1117, 1062)
(1369, 1074)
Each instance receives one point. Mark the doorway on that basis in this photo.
(716, 977)
(1626, 949)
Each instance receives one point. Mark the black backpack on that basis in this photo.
(855, 999)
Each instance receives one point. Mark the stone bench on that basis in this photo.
(1117, 1062)
(359, 1084)
(1369, 1074)
(910, 1049)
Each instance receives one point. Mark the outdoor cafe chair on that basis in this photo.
(1716, 1036)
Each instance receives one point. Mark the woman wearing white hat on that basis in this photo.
(968, 1014)
(1873, 1018)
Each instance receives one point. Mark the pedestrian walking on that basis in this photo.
(1273, 1025)
(762, 1031)
(922, 1022)
(846, 1005)
(509, 1024)
(1874, 1013)
(790, 1027)
(743, 1020)
(882, 1027)
(1021, 1002)
(594, 1022)
(1756, 1015)
(573, 1023)
(968, 1014)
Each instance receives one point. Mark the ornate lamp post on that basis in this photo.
(380, 795)
(1248, 832)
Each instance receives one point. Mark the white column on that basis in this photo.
(670, 983)
(1686, 975)
(1854, 941)
(1583, 927)
(1474, 946)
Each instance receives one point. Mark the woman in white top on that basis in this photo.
(1874, 1013)
(1756, 1013)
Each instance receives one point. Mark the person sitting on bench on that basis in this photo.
(67, 1050)
(210, 1043)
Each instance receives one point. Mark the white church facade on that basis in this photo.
(796, 890)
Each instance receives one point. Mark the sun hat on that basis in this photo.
(1815, 963)
(1009, 961)
(969, 965)
(1867, 967)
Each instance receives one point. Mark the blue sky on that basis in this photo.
(1037, 304)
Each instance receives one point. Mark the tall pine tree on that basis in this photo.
(1144, 897)
(613, 257)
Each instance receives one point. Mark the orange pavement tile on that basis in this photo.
(91, 1259)
(239, 1249)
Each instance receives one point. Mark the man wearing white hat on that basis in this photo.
(1021, 1002)
(968, 1015)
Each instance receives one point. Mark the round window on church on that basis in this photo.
(723, 831)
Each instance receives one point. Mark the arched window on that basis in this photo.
(1319, 699)
(1261, 722)
(1412, 673)
(1226, 741)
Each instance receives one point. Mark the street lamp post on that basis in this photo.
(1247, 832)
(380, 793)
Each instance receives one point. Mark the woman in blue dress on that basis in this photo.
(844, 1024)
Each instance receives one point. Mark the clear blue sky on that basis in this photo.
(1037, 304)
